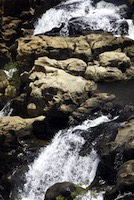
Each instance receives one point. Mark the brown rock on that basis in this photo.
(125, 176)
(56, 91)
(106, 74)
(14, 128)
(114, 59)
(72, 65)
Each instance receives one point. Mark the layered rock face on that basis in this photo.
(58, 73)
(106, 57)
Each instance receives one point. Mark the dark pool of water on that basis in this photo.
(123, 90)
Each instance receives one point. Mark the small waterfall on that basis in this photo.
(10, 72)
(6, 110)
(60, 161)
(100, 16)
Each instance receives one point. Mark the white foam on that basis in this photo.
(60, 161)
(6, 110)
(103, 15)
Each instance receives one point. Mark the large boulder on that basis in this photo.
(90, 105)
(30, 48)
(114, 59)
(125, 176)
(13, 129)
(106, 74)
(63, 190)
(73, 66)
(86, 48)
(53, 91)
(125, 133)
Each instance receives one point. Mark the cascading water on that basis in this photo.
(88, 15)
(6, 110)
(60, 161)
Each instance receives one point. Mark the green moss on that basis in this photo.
(11, 65)
(93, 194)
(60, 197)
(15, 79)
(19, 198)
(79, 191)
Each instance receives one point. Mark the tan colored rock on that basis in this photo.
(14, 127)
(3, 81)
(17, 123)
(10, 91)
(108, 74)
(56, 90)
(10, 26)
(54, 47)
(114, 59)
(125, 133)
(129, 73)
(125, 176)
(72, 65)
(60, 48)
(130, 51)
(106, 42)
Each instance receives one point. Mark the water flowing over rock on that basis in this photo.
(81, 15)
(63, 163)
(65, 190)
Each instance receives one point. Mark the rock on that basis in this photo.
(129, 73)
(3, 81)
(106, 42)
(125, 176)
(106, 74)
(65, 190)
(125, 133)
(78, 25)
(114, 59)
(13, 129)
(73, 66)
(30, 48)
(10, 91)
(130, 52)
(90, 105)
(121, 28)
(82, 47)
(55, 91)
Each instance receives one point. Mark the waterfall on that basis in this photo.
(6, 110)
(60, 161)
(100, 16)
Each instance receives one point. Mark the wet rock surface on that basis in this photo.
(63, 190)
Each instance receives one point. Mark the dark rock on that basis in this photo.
(64, 190)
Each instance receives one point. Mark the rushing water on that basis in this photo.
(6, 110)
(60, 161)
(100, 16)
